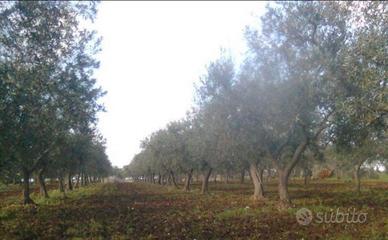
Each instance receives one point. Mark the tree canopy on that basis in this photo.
(49, 97)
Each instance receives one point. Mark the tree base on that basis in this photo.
(259, 198)
(284, 205)
(28, 201)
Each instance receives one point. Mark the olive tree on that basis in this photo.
(46, 79)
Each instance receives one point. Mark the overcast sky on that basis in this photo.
(152, 54)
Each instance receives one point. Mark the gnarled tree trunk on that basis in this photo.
(42, 184)
(205, 181)
(284, 173)
(257, 179)
(188, 180)
(285, 200)
(173, 179)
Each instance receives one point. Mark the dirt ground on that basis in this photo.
(146, 211)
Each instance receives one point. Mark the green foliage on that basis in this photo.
(48, 95)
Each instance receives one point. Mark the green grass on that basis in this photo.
(56, 197)
(383, 177)
(238, 213)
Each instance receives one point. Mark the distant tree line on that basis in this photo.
(313, 86)
(48, 96)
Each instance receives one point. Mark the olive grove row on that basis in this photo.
(48, 96)
(313, 81)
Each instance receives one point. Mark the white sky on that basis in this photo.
(152, 53)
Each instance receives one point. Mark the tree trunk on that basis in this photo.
(242, 177)
(188, 180)
(69, 182)
(77, 182)
(83, 181)
(283, 188)
(205, 181)
(257, 179)
(173, 179)
(86, 179)
(168, 179)
(159, 179)
(261, 173)
(61, 185)
(36, 180)
(306, 175)
(26, 187)
(42, 184)
(284, 173)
